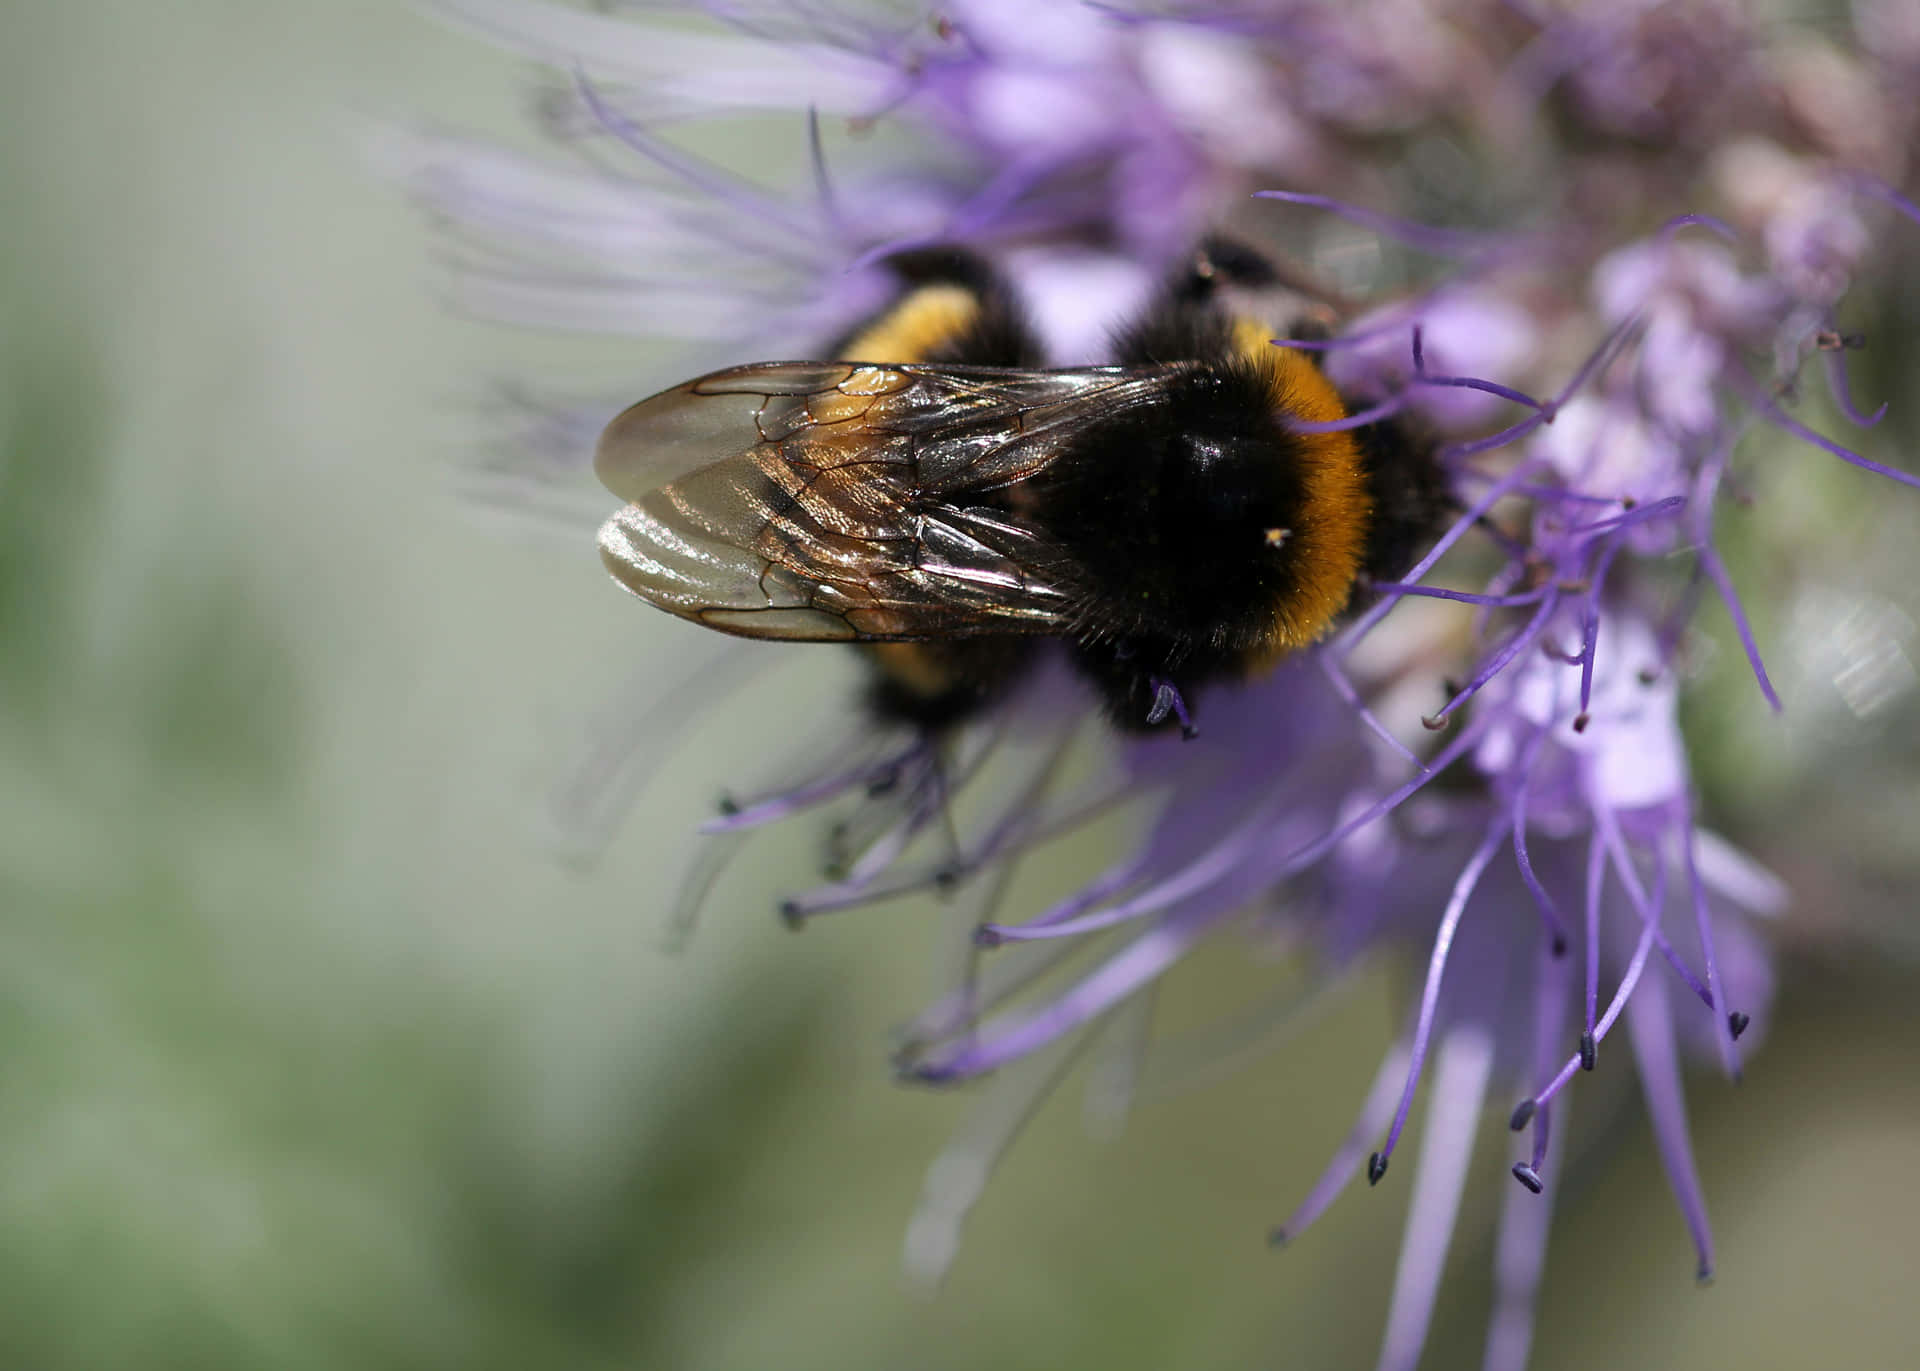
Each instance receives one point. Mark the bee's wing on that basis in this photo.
(819, 501)
(678, 431)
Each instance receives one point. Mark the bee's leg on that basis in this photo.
(1168, 700)
(1454, 505)
(1136, 681)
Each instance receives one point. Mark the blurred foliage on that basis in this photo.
(1830, 574)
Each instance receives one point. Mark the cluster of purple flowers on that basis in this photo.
(1654, 211)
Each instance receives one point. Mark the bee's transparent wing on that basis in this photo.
(821, 501)
(681, 430)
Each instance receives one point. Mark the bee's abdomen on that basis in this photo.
(934, 684)
(954, 308)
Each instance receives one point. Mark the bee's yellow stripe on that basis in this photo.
(913, 666)
(1328, 542)
(922, 321)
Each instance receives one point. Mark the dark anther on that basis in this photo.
(1581, 720)
(1703, 1273)
(1827, 340)
(1558, 949)
(728, 806)
(921, 1073)
(986, 935)
(792, 915)
(1629, 502)
(1528, 1177)
(1434, 723)
(1737, 1023)
(948, 875)
(1278, 1237)
(1376, 1168)
(884, 782)
(1589, 1051)
(1647, 676)
(1522, 1115)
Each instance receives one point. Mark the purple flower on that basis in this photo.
(1610, 240)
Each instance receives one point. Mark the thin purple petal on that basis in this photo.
(1461, 1075)
(1650, 1028)
(1520, 1259)
(1463, 889)
(1345, 1163)
(1440, 242)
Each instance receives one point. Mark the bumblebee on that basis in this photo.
(1177, 519)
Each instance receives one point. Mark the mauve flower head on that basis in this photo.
(1585, 250)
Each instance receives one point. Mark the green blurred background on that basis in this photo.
(313, 1054)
